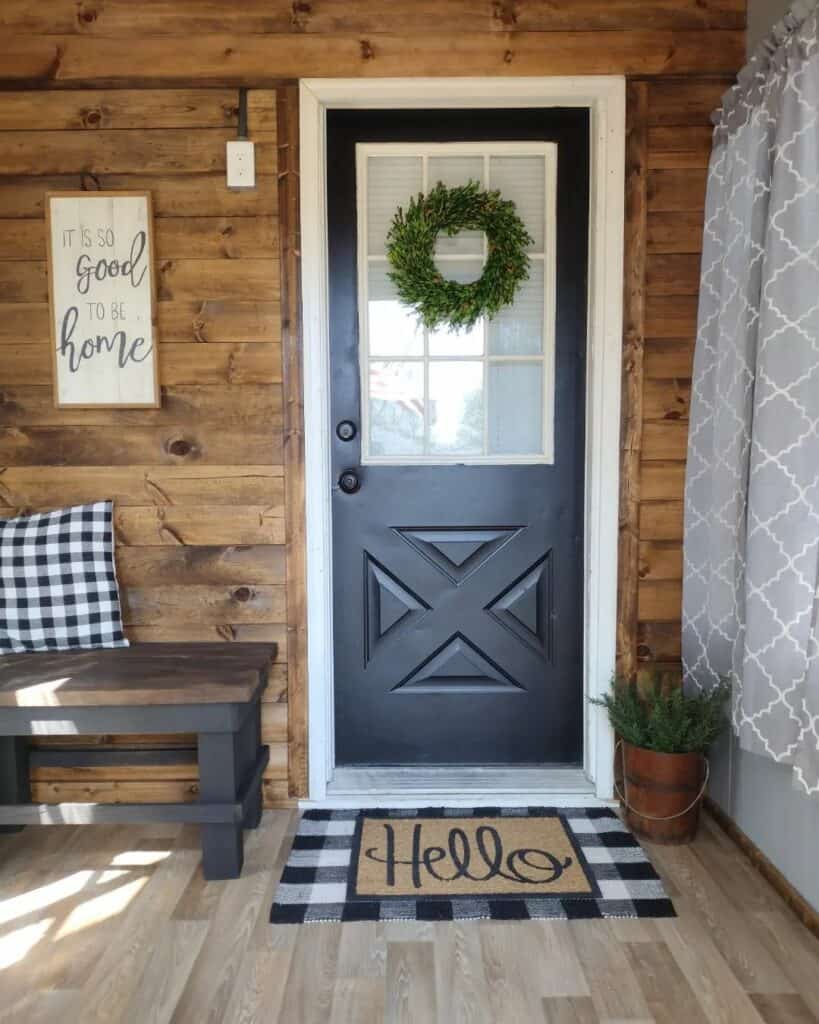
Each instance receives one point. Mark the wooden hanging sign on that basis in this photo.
(102, 294)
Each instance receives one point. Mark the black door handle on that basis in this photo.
(349, 482)
(346, 430)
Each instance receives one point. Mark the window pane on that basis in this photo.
(454, 171)
(456, 408)
(523, 180)
(444, 342)
(516, 408)
(393, 328)
(396, 408)
(517, 330)
(391, 182)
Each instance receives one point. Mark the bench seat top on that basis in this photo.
(141, 675)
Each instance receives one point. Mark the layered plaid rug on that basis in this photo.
(444, 864)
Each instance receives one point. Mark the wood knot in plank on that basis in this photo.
(242, 594)
(86, 15)
(367, 52)
(182, 447)
(506, 12)
(91, 117)
(508, 56)
(300, 12)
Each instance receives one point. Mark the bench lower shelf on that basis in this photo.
(113, 814)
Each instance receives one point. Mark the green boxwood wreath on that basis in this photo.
(436, 300)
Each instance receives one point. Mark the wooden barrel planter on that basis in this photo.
(662, 793)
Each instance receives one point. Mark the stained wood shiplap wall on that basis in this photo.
(677, 148)
(198, 484)
(105, 94)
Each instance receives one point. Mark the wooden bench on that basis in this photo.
(211, 689)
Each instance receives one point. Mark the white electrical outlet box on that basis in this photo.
(241, 164)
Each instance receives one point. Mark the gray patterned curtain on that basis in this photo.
(752, 486)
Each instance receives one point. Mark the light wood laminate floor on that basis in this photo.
(116, 924)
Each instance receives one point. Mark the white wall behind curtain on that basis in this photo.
(751, 550)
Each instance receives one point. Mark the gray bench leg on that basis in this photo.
(14, 783)
(251, 740)
(227, 762)
(220, 777)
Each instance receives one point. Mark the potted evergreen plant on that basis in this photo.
(663, 736)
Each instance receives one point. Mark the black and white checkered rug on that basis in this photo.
(591, 867)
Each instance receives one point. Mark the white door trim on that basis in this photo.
(605, 98)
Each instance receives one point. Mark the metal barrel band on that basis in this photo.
(653, 817)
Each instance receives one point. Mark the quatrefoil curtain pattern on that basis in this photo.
(751, 549)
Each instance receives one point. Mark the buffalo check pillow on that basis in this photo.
(58, 585)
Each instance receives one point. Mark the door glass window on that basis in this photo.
(483, 395)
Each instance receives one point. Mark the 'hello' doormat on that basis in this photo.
(444, 864)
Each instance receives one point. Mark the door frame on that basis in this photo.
(604, 96)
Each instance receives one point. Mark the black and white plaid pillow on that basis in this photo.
(58, 586)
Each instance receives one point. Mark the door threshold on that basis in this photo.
(458, 787)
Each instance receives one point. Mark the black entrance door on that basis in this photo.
(458, 461)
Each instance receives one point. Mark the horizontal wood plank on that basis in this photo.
(179, 364)
(255, 60)
(679, 231)
(671, 316)
(99, 446)
(667, 439)
(660, 561)
(234, 565)
(673, 190)
(661, 520)
(200, 525)
(154, 150)
(220, 364)
(673, 275)
(115, 791)
(202, 603)
(96, 109)
(126, 792)
(265, 632)
(174, 238)
(678, 147)
(410, 17)
(144, 771)
(224, 405)
(666, 399)
(203, 492)
(669, 358)
(659, 600)
(676, 102)
(661, 480)
(658, 641)
(246, 280)
(188, 194)
(222, 321)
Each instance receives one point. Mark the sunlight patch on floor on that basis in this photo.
(140, 858)
(44, 896)
(16, 946)
(100, 908)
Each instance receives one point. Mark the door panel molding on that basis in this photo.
(604, 96)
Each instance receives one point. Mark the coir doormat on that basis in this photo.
(444, 864)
